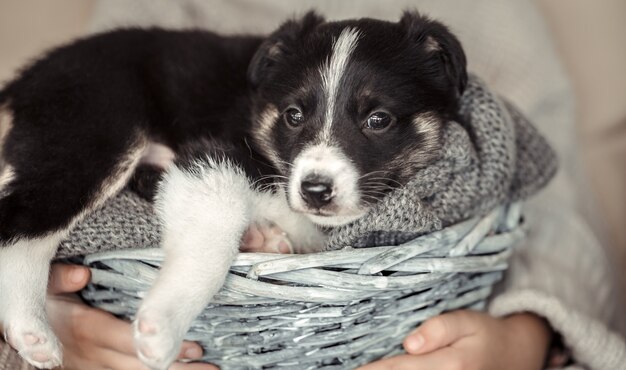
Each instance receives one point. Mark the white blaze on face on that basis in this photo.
(324, 158)
(332, 72)
(328, 162)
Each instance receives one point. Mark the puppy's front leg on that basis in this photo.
(205, 210)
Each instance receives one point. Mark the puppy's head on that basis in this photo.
(349, 110)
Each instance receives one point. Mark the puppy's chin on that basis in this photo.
(334, 221)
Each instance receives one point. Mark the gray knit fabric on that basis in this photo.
(126, 221)
(496, 157)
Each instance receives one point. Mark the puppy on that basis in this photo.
(308, 126)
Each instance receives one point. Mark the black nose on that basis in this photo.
(316, 191)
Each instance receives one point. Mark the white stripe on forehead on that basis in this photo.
(332, 71)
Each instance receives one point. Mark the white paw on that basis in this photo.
(156, 340)
(35, 342)
(266, 239)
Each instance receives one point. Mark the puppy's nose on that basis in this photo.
(316, 191)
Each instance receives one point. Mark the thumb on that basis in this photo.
(440, 331)
(67, 278)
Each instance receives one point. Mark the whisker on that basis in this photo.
(385, 179)
(375, 196)
(370, 200)
(278, 179)
(284, 162)
(377, 183)
(374, 191)
(373, 172)
(378, 186)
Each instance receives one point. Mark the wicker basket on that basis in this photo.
(331, 310)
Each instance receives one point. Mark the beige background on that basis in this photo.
(591, 36)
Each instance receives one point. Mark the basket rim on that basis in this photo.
(507, 215)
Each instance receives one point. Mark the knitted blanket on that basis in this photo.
(495, 157)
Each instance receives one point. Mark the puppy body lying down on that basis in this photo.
(308, 126)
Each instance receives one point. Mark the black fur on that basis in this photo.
(80, 109)
(145, 181)
(77, 110)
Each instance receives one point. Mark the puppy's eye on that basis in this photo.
(294, 117)
(378, 121)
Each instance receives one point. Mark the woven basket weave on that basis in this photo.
(331, 310)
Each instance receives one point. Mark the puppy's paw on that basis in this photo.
(35, 342)
(266, 239)
(156, 340)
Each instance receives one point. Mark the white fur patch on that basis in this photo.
(431, 45)
(207, 195)
(21, 262)
(158, 155)
(419, 154)
(427, 123)
(327, 161)
(6, 123)
(332, 71)
(7, 174)
(263, 135)
(24, 268)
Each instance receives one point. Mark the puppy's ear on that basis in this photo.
(436, 39)
(279, 44)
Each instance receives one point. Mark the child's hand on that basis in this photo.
(93, 339)
(470, 340)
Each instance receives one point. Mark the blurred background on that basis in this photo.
(589, 36)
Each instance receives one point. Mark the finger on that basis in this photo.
(67, 278)
(441, 331)
(446, 358)
(194, 366)
(117, 361)
(107, 331)
(190, 351)
(396, 363)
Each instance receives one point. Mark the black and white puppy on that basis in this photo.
(308, 126)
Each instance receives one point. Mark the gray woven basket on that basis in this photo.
(331, 310)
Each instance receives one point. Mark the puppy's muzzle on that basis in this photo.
(316, 191)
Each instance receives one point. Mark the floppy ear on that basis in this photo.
(279, 43)
(437, 40)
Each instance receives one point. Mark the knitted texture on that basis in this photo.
(126, 221)
(496, 157)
